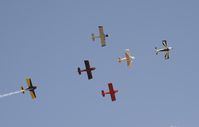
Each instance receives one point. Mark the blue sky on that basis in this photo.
(48, 40)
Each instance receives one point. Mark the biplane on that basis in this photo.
(88, 69)
(111, 92)
(128, 58)
(30, 88)
(102, 36)
(165, 49)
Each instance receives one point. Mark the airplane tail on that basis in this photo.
(119, 60)
(93, 36)
(79, 70)
(22, 90)
(103, 93)
(156, 50)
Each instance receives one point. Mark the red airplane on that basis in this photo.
(111, 92)
(88, 69)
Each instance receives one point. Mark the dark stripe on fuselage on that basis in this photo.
(163, 50)
(31, 88)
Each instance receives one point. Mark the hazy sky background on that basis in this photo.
(48, 40)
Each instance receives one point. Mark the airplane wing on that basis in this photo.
(32, 93)
(164, 42)
(127, 53)
(89, 73)
(128, 58)
(29, 82)
(111, 90)
(166, 55)
(129, 63)
(87, 65)
(102, 36)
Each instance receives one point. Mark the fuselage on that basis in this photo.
(89, 69)
(164, 49)
(31, 88)
(111, 92)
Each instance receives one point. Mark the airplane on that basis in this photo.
(128, 57)
(111, 92)
(165, 49)
(30, 88)
(102, 36)
(88, 69)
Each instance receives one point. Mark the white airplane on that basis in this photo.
(102, 36)
(128, 57)
(165, 49)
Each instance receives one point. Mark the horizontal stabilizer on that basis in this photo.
(79, 70)
(119, 60)
(156, 50)
(22, 90)
(103, 93)
(93, 36)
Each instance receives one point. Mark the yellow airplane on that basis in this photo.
(30, 88)
(102, 36)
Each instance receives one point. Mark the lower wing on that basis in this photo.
(33, 95)
(113, 98)
(89, 74)
(129, 63)
(166, 55)
(103, 41)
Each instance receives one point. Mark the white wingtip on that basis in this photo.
(127, 50)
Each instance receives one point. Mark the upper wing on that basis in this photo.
(166, 55)
(102, 36)
(87, 64)
(128, 54)
(164, 42)
(29, 82)
(101, 30)
(32, 93)
(111, 90)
